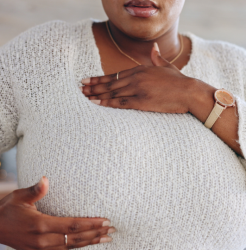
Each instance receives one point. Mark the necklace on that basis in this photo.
(116, 45)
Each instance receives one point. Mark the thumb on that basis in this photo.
(156, 57)
(33, 193)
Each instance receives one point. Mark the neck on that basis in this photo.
(169, 44)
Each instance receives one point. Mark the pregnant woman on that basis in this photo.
(132, 124)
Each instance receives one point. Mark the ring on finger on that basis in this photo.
(65, 239)
(117, 76)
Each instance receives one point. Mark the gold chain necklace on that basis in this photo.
(116, 45)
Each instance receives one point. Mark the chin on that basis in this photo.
(142, 30)
(142, 35)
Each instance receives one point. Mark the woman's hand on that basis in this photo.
(159, 88)
(23, 227)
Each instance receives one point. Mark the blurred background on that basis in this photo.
(210, 19)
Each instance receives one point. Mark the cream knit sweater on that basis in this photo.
(165, 181)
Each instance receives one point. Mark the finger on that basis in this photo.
(121, 103)
(98, 240)
(86, 238)
(112, 77)
(122, 92)
(156, 57)
(51, 224)
(104, 239)
(34, 193)
(56, 240)
(106, 87)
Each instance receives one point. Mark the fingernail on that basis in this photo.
(105, 239)
(96, 101)
(40, 183)
(156, 47)
(106, 223)
(80, 88)
(111, 230)
(86, 81)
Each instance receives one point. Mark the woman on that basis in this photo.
(132, 146)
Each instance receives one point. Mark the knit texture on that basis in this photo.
(165, 181)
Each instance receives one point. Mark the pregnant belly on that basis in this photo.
(159, 191)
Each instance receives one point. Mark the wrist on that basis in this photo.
(201, 99)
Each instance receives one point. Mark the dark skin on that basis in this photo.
(145, 88)
(113, 61)
(158, 86)
(23, 227)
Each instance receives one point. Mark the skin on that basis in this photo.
(135, 36)
(157, 86)
(22, 227)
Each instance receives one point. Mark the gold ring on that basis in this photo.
(66, 239)
(117, 76)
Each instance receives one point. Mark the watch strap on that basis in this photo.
(214, 115)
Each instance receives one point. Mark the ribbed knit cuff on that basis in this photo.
(241, 108)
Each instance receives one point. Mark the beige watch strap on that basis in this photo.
(214, 115)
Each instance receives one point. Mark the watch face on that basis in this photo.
(224, 97)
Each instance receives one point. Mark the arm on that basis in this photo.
(164, 89)
(201, 103)
(8, 110)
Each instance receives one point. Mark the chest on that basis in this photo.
(81, 139)
(142, 170)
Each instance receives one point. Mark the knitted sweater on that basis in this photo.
(165, 181)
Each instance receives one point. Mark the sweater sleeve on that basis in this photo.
(241, 107)
(8, 110)
(241, 103)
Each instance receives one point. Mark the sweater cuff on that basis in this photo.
(241, 108)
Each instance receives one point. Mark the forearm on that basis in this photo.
(201, 103)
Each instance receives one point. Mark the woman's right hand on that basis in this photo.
(22, 227)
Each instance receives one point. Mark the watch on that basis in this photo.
(223, 100)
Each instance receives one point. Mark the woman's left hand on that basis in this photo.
(159, 88)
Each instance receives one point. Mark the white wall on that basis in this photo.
(212, 19)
